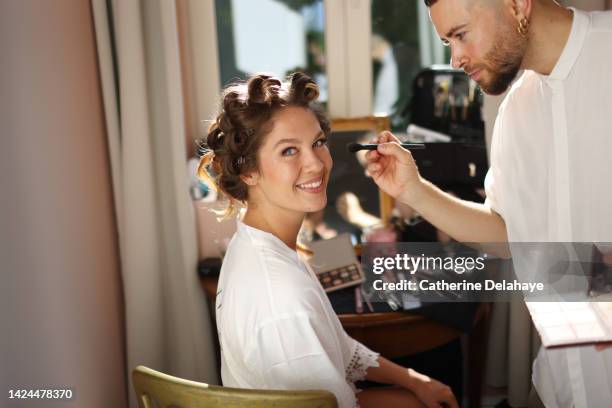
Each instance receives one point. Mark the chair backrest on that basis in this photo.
(155, 389)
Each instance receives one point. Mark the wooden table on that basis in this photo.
(397, 334)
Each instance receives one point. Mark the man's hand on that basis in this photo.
(395, 172)
(393, 168)
(432, 393)
(603, 346)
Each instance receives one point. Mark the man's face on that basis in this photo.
(483, 38)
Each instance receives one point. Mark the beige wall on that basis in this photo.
(61, 311)
(588, 5)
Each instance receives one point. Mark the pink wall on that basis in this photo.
(61, 306)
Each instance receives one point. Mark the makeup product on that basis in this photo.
(335, 264)
(367, 300)
(341, 277)
(409, 300)
(355, 147)
(358, 300)
(562, 324)
(390, 298)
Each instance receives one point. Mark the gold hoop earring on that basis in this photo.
(523, 27)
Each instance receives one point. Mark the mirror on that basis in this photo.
(354, 201)
(446, 100)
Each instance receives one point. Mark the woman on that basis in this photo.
(277, 329)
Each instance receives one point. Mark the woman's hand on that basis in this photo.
(432, 393)
(393, 169)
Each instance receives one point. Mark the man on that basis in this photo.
(551, 151)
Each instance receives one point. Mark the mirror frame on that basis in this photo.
(376, 123)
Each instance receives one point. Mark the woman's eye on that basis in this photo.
(290, 151)
(320, 142)
(460, 36)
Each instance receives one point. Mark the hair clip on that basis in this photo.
(220, 135)
(250, 132)
(241, 160)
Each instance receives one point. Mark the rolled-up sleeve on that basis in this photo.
(361, 359)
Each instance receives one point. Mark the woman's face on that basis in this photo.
(294, 164)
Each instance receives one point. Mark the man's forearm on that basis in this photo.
(464, 221)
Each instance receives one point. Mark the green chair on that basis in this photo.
(159, 390)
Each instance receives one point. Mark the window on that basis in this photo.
(275, 36)
(403, 42)
(350, 47)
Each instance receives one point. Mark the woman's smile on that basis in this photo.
(313, 186)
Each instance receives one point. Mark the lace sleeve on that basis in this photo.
(361, 359)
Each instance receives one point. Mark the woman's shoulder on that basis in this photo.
(251, 248)
(246, 255)
(268, 266)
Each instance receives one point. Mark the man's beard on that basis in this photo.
(503, 61)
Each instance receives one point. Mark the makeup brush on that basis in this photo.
(355, 147)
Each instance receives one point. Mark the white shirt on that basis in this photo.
(277, 329)
(551, 181)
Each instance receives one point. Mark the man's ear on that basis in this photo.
(520, 9)
(250, 179)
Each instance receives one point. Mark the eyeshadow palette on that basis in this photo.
(335, 264)
(571, 323)
(341, 277)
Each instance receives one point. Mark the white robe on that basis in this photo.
(551, 181)
(277, 329)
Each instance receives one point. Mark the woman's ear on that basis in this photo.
(250, 179)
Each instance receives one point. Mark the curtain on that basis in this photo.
(167, 323)
(513, 345)
(61, 298)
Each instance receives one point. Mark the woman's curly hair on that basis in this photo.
(236, 135)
